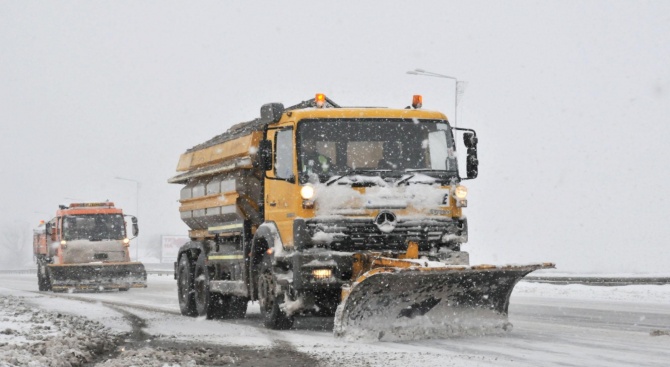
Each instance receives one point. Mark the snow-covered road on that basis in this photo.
(554, 325)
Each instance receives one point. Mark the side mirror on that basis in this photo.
(272, 112)
(472, 163)
(265, 154)
(49, 230)
(470, 140)
(136, 228)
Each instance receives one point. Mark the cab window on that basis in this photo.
(284, 165)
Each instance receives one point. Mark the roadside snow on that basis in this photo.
(33, 337)
(39, 329)
(654, 294)
(156, 335)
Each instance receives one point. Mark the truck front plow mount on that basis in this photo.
(97, 276)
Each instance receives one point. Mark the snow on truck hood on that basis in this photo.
(341, 198)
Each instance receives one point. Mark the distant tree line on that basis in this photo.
(16, 242)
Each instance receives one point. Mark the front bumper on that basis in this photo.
(306, 263)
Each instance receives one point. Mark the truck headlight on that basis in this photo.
(126, 242)
(63, 243)
(461, 192)
(307, 192)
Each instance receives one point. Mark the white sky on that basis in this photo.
(569, 100)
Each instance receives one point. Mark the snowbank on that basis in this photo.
(32, 337)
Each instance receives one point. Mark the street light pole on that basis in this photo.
(436, 75)
(137, 211)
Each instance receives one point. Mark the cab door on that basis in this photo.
(282, 198)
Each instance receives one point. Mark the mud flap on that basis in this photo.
(97, 276)
(423, 302)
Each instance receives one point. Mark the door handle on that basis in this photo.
(272, 203)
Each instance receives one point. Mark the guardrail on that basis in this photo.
(19, 271)
(161, 272)
(560, 280)
(34, 271)
(598, 281)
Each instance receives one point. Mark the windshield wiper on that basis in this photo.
(427, 170)
(440, 174)
(355, 172)
(403, 180)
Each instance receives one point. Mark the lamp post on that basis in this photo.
(137, 211)
(436, 75)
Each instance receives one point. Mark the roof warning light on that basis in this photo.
(320, 100)
(417, 101)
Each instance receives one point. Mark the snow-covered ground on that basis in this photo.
(641, 294)
(553, 325)
(31, 336)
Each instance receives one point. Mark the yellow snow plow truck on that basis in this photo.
(323, 210)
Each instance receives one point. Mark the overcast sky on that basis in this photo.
(570, 100)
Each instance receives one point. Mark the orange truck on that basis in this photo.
(86, 247)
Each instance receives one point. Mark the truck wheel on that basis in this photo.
(237, 307)
(203, 297)
(43, 283)
(185, 288)
(217, 305)
(273, 316)
(227, 307)
(40, 281)
(40, 287)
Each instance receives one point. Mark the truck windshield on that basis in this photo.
(388, 147)
(94, 227)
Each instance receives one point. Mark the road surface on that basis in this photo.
(554, 325)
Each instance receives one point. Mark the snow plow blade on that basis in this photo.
(97, 276)
(389, 303)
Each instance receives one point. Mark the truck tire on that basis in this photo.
(214, 305)
(43, 283)
(273, 316)
(203, 297)
(237, 307)
(227, 306)
(185, 288)
(40, 281)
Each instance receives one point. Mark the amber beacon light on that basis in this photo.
(417, 101)
(320, 100)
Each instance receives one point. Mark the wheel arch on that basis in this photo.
(191, 250)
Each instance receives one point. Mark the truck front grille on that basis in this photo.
(363, 233)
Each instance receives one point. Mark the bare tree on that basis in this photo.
(16, 245)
